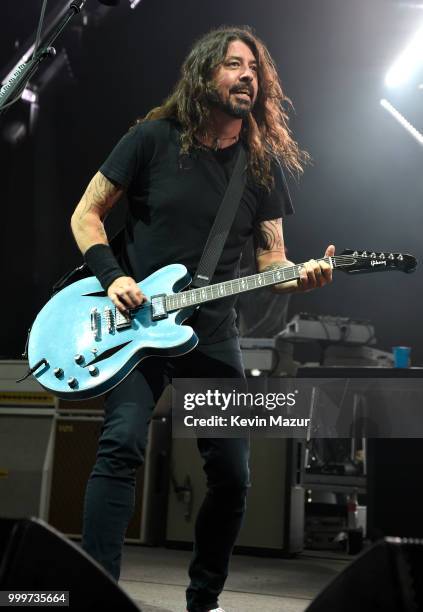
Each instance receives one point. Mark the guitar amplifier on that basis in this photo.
(258, 353)
(27, 415)
(274, 520)
(74, 456)
(273, 356)
(26, 443)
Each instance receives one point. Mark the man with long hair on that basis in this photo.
(175, 165)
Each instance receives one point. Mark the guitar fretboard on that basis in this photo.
(194, 297)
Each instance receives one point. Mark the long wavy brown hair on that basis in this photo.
(266, 130)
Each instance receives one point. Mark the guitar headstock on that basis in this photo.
(372, 261)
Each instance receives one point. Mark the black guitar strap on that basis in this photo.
(222, 223)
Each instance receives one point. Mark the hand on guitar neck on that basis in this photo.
(313, 273)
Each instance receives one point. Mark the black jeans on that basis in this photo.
(110, 494)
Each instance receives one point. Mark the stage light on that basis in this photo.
(402, 120)
(407, 63)
(255, 372)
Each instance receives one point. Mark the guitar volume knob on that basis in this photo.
(72, 382)
(58, 372)
(79, 359)
(93, 370)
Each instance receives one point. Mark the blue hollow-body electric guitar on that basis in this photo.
(81, 346)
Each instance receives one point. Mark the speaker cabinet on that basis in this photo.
(274, 520)
(26, 442)
(74, 457)
(48, 448)
(26, 445)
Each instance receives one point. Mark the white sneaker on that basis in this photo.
(216, 610)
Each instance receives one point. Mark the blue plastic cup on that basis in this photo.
(401, 356)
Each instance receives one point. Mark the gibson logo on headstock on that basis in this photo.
(375, 262)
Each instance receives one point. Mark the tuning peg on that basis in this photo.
(373, 255)
(355, 254)
(400, 257)
(382, 256)
(364, 254)
(391, 256)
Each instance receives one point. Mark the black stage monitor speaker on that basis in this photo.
(36, 557)
(385, 578)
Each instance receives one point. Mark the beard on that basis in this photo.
(230, 106)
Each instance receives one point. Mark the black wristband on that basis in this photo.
(101, 261)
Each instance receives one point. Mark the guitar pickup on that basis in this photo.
(122, 321)
(158, 307)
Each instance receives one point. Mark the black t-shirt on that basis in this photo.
(173, 202)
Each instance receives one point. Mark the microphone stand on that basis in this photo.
(11, 91)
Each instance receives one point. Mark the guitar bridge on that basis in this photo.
(158, 307)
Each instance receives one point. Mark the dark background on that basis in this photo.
(364, 189)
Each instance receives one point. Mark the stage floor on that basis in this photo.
(156, 579)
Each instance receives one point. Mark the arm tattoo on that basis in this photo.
(99, 196)
(268, 237)
(279, 264)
